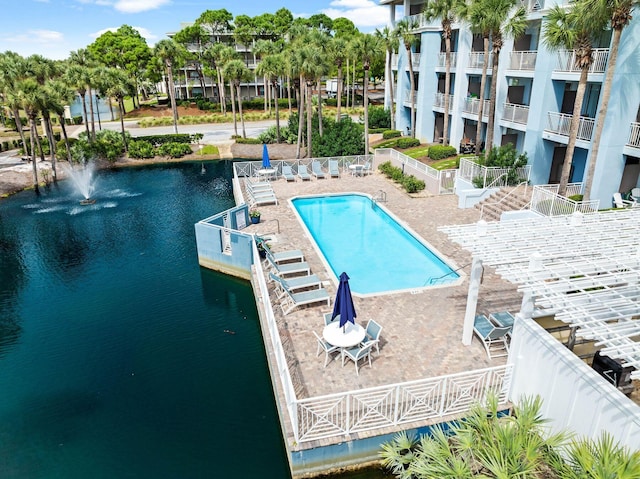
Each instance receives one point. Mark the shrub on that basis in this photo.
(576, 198)
(171, 138)
(505, 156)
(141, 149)
(387, 134)
(342, 138)
(77, 120)
(174, 150)
(407, 142)
(412, 184)
(269, 136)
(438, 152)
(248, 141)
(5, 145)
(379, 117)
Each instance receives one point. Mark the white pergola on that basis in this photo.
(583, 268)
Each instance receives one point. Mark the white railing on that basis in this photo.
(567, 61)
(249, 169)
(511, 194)
(560, 124)
(523, 60)
(476, 60)
(407, 96)
(394, 61)
(396, 404)
(472, 105)
(439, 98)
(532, 5)
(634, 135)
(437, 182)
(421, 21)
(515, 113)
(442, 59)
(415, 60)
(547, 202)
(483, 176)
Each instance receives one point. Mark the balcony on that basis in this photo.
(559, 123)
(442, 60)
(634, 136)
(394, 61)
(438, 101)
(472, 105)
(476, 60)
(515, 113)
(523, 61)
(407, 97)
(567, 61)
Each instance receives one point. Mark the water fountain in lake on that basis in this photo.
(84, 181)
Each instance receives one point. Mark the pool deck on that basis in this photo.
(422, 332)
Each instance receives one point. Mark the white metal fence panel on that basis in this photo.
(515, 113)
(547, 202)
(560, 124)
(439, 99)
(566, 61)
(485, 177)
(523, 60)
(442, 60)
(634, 135)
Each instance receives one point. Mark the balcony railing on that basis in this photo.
(532, 5)
(442, 59)
(523, 60)
(407, 96)
(394, 61)
(438, 101)
(560, 123)
(476, 60)
(515, 113)
(472, 105)
(567, 61)
(634, 135)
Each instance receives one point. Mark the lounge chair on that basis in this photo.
(282, 270)
(620, 203)
(291, 300)
(298, 282)
(357, 353)
(494, 338)
(288, 173)
(316, 168)
(372, 333)
(503, 319)
(635, 194)
(303, 173)
(263, 198)
(326, 347)
(334, 169)
(282, 256)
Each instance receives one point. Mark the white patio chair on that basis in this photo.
(494, 338)
(357, 353)
(372, 333)
(326, 347)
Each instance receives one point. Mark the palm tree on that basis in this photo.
(236, 71)
(391, 43)
(337, 53)
(82, 57)
(367, 47)
(567, 29)
(168, 51)
(118, 86)
(503, 24)
(320, 40)
(309, 64)
(12, 69)
(271, 67)
(78, 77)
(618, 12)
(261, 49)
(477, 15)
(31, 97)
(448, 11)
(60, 94)
(405, 29)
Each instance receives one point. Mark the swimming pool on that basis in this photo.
(355, 234)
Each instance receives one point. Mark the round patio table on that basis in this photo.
(352, 335)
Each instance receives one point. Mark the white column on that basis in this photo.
(392, 15)
(472, 300)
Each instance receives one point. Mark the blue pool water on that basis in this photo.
(354, 234)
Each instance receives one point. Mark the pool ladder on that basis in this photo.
(380, 197)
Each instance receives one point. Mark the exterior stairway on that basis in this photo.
(509, 198)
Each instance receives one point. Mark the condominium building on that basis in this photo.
(536, 88)
(188, 83)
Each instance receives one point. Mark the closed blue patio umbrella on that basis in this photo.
(343, 304)
(266, 163)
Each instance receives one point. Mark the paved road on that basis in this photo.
(213, 132)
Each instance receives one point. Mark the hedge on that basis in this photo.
(409, 182)
(438, 152)
(248, 141)
(407, 142)
(387, 134)
(171, 138)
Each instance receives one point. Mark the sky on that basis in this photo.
(53, 28)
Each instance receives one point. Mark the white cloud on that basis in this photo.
(48, 43)
(363, 13)
(36, 36)
(144, 32)
(137, 6)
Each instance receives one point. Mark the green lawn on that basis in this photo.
(417, 152)
(208, 150)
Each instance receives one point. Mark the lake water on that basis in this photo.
(119, 355)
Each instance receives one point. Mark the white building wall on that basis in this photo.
(575, 397)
